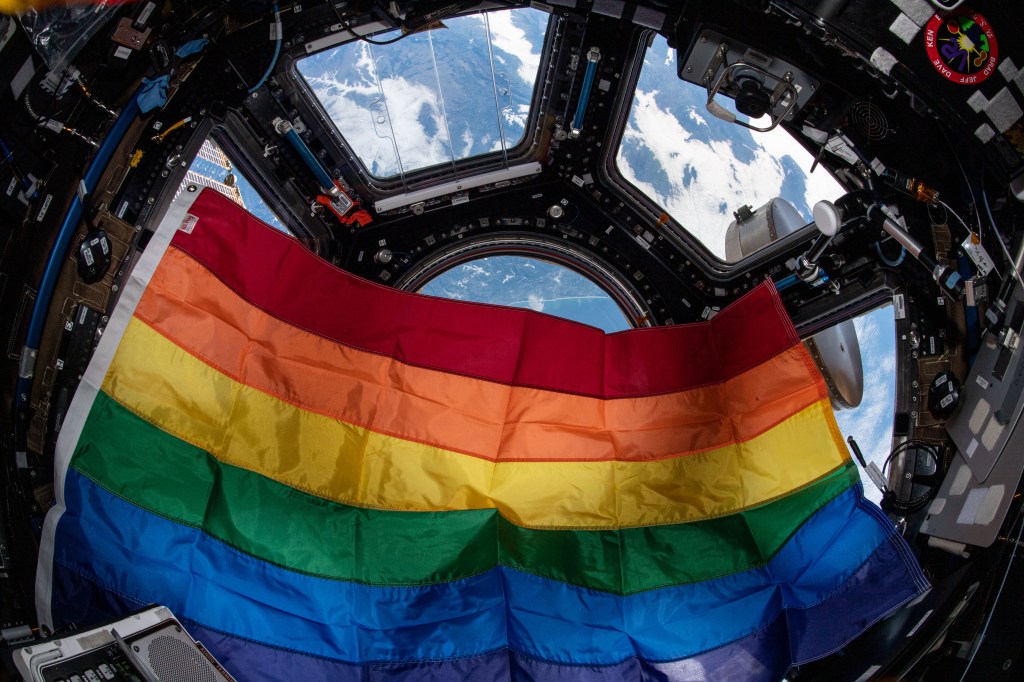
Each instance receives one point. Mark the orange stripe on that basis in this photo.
(195, 310)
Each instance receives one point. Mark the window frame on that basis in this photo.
(528, 149)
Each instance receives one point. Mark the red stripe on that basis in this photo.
(524, 348)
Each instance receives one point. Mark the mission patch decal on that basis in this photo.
(962, 47)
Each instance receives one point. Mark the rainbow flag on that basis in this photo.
(329, 479)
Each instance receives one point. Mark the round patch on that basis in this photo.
(962, 47)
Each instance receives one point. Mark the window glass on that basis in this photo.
(434, 97)
(523, 282)
(870, 423)
(698, 168)
(212, 168)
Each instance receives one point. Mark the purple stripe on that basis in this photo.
(880, 586)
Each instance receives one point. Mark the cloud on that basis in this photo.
(871, 423)
(723, 177)
(535, 302)
(512, 40)
(820, 183)
(383, 120)
(697, 118)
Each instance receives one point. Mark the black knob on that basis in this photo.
(751, 100)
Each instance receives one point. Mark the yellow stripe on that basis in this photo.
(331, 459)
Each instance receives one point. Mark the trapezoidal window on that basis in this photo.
(699, 169)
(435, 97)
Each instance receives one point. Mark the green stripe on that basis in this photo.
(154, 470)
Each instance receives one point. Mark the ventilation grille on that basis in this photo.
(175, 661)
(869, 121)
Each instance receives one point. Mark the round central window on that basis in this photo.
(523, 282)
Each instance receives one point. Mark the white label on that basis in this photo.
(22, 78)
(917, 627)
(869, 673)
(981, 381)
(11, 186)
(146, 11)
(978, 255)
(44, 209)
(460, 199)
(89, 260)
(189, 223)
(577, 180)
(122, 210)
(945, 402)
(122, 52)
(899, 307)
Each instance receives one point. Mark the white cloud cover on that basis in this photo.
(391, 134)
(721, 177)
(395, 119)
(509, 38)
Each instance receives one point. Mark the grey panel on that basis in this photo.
(971, 512)
(992, 399)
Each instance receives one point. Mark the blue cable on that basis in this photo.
(55, 262)
(9, 158)
(277, 53)
(892, 263)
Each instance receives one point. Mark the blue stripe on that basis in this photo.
(149, 559)
(762, 657)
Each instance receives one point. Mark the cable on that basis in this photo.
(347, 27)
(159, 137)
(999, 593)
(277, 52)
(956, 215)
(999, 238)
(88, 96)
(889, 497)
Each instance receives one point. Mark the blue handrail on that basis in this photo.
(55, 262)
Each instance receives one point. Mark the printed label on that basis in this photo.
(189, 223)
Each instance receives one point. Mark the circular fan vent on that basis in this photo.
(869, 120)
